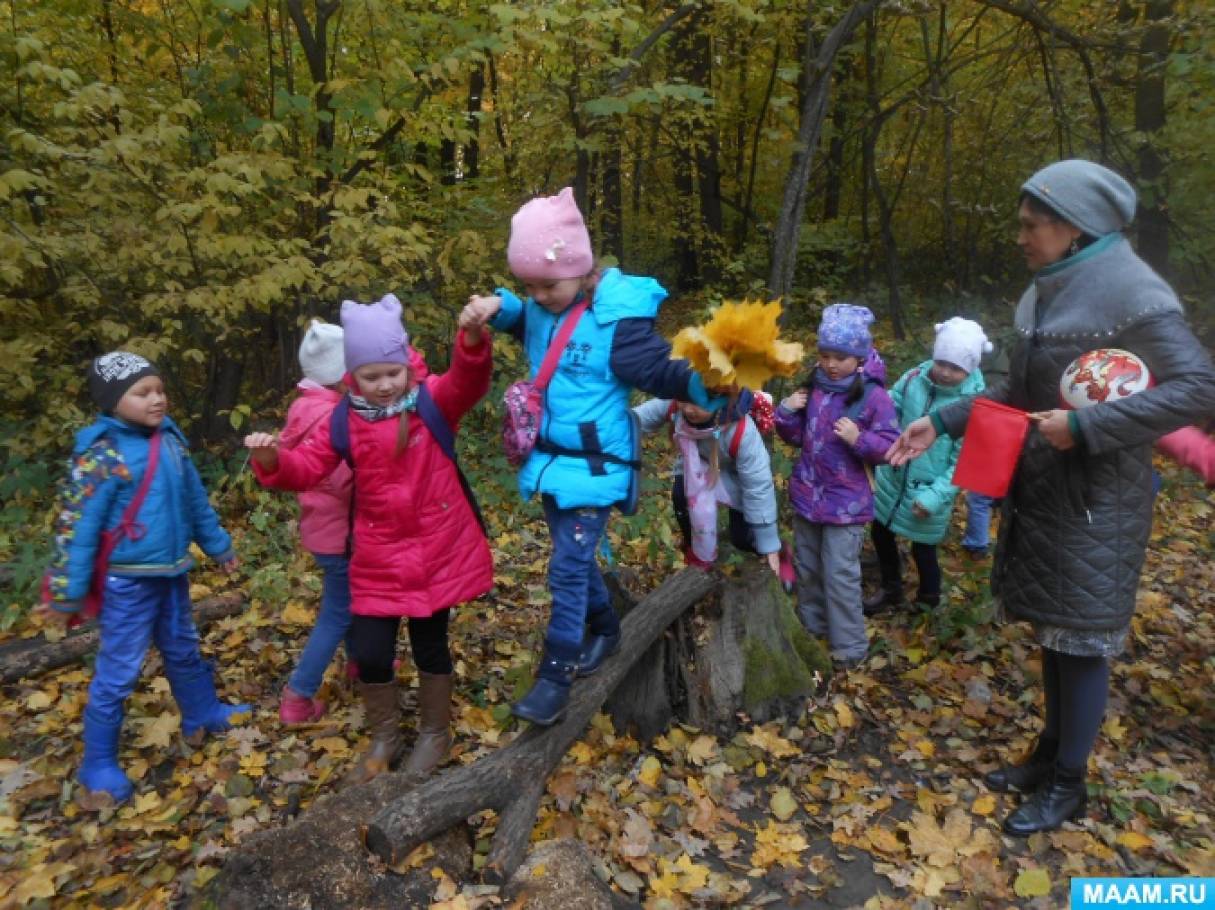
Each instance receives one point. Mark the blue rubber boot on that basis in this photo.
(595, 650)
(550, 693)
(201, 709)
(99, 771)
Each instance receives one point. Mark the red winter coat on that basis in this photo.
(417, 545)
(325, 509)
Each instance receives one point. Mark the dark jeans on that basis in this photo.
(374, 640)
(579, 595)
(924, 554)
(740, 531)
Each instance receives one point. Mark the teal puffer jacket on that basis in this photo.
(928, 480)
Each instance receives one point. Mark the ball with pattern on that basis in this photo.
(1107, 374)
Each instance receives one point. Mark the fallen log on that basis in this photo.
(26, 658)
(512, 780)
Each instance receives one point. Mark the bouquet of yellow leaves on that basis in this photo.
(739, 346)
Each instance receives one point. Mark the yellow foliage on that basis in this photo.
(739, 345)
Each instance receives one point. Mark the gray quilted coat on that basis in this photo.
(1075, 524)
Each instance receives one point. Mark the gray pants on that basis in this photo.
(828, 562)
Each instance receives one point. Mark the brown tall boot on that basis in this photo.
(434, 723)
(384, 723)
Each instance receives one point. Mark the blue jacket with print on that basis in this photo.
(107, 466)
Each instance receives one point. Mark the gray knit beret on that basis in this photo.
(1088, 195)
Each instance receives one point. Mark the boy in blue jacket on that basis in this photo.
(588, 447)
(147, 594)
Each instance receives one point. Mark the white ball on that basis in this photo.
(1106, 374)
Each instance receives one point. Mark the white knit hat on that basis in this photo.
(321, 356)
(960, 342)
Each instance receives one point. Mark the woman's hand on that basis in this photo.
(1054, 427)
(914, 442)
(847, 430)
(263, 449)
(796, 401)
(919, 511)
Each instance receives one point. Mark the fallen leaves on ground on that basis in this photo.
(873, 794)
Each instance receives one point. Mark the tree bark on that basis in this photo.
(27, 658)
(512, 780)
(1153, 216)
(817, 64)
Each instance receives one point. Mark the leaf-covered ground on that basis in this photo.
(872, 796)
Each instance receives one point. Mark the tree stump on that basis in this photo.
(741, 651)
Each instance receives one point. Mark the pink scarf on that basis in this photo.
(702, 486)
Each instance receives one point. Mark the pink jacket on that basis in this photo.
(324, 509)
(1191, 448)
(417, 545)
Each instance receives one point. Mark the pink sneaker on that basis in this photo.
(787, 574)
(296, 709)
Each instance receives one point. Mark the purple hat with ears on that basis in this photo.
(845, 330)
(374, 333)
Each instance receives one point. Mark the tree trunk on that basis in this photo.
(26, 658)
(1153, 215)
(223, 392)
(817, 64)
(890, 247)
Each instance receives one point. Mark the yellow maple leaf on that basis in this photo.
(651, 770)
(1032, 883)
(581, 753)
(1134, 840)
(984, 805)
(691, 875)
(739, 345)
(159, 732)
(701, 749)
(846, 718)
(778, 843)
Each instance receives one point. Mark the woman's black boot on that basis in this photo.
(1027, 776)
(1063, 798)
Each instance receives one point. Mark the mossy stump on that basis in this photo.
(740, 651)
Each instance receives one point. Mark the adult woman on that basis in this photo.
(1078, 515)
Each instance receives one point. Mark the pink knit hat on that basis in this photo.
(374, 333)
(548, 239)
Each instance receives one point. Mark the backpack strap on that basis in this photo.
(740, 428)
(339, 430)
(128, 527)
(549, 365)
(853, 411)
(440, 429)
(432, 418)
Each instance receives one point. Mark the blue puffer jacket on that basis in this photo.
(586, 405)
(108, 462)
(928, 480)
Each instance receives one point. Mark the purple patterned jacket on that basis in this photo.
(830, 484)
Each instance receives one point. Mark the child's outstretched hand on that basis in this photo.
(475, 314)
(847, 430)
(774, 562)
(263, 449)
(796, 401)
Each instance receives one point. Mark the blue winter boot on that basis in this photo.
(99, 771)
(201, 709)
(595, 650)
(550, 693)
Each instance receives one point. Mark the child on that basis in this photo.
(722, 459)
(916, 500)
(418, 548)
(324, 520)
(843, 421)
(134, 448)
(587, 449)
